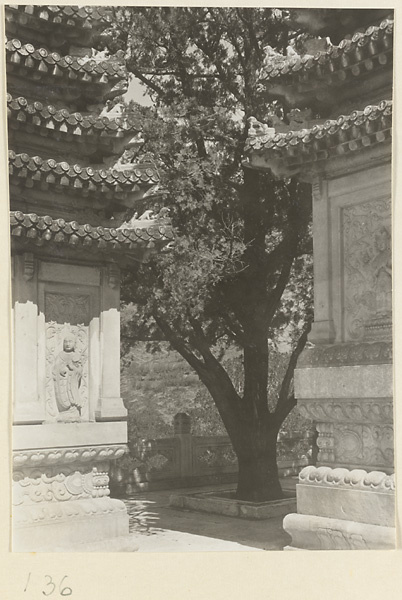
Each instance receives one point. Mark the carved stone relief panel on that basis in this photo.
(370, 445)
(60, 483)
(368, 410)
(67, 318)
(367, 304)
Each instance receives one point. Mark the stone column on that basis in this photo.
(28, 404)
(322, 330)
(110, 404)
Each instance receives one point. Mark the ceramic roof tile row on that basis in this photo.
(43, 61)
(45, 229)
(369, 126)
(34, 168)
(44, 115)
(73, 16)
(376, 41)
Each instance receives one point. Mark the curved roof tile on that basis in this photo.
(43, 61)
(368, 126)
(23, 167)
(374, 42)
(47, 115)
(45, 229)
(71, 16)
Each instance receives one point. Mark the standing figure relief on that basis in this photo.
(67, 376)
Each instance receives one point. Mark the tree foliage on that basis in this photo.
(239, 273)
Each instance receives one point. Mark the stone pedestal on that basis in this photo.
(340, 509)
(68, 415)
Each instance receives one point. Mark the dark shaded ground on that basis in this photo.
(162, 528)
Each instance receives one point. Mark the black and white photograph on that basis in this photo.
(201, 273)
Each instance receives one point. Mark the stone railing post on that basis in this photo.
(182, 431)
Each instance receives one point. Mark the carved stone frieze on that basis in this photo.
(59, 484)
(347, 410)
(367, 270)
(337, 355)
(51, 512)
(375, 481)
(53, 456)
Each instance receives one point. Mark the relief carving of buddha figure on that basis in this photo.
(67, 375)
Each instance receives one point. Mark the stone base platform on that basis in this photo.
(222, 504)
(61, 496)
(340, 509)
(77, 525)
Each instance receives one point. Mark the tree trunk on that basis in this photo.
(258, 471)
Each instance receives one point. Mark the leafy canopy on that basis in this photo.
(239, 273)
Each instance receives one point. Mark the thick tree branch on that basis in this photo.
(178, 344)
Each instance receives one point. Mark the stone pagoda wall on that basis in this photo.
(69, 418)
(343, 380)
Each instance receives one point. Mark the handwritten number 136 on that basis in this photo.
(50, 587)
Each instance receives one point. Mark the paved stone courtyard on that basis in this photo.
(161, 528)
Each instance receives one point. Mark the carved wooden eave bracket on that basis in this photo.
(33, 231)
(322, 79)
(102, 78)
(286, 154)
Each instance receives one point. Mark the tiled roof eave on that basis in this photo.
(44, 230)
(24, 168)
(44, 63)
(365, 52)
(347, 133)
(83, 17)
(47, 116)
